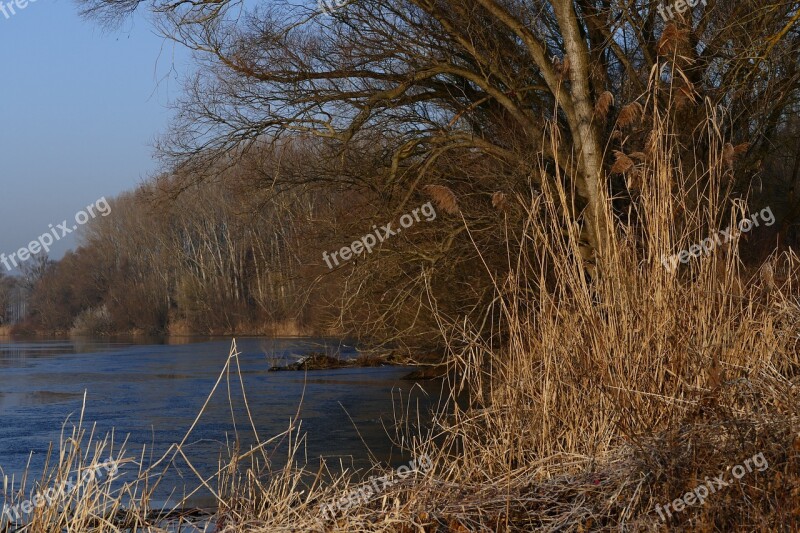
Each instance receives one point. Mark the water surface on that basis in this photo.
(152, 393)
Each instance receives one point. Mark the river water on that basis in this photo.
(151, 394)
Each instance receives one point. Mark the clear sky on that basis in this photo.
(80, 108)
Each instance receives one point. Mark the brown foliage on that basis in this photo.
(604, 103)
(443, 197)
(499, 201)
(630, 115)
(622, 164)
(672, 38)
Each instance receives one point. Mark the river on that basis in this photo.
(151, 394)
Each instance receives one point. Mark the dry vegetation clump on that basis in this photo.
(81, 488)
(599, 398)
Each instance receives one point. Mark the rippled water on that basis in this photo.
(152, 394)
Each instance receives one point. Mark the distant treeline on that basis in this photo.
(215, 258)
(238, 248)
(236, 253)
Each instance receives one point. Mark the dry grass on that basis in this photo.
(86, 495)
(598, 399)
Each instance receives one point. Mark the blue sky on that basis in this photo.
(79, 110)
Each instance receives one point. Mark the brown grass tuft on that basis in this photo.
(741, 149)
(767, 274)
(651, 145)
(622, 164)
(443, 197)
(671, 39)
(561, 66)
(500, 201)
(630, 114)
(728, 155)
(603, 104)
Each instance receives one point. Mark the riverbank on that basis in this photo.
(638, 482)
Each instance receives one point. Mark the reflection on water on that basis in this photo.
(152, 393)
